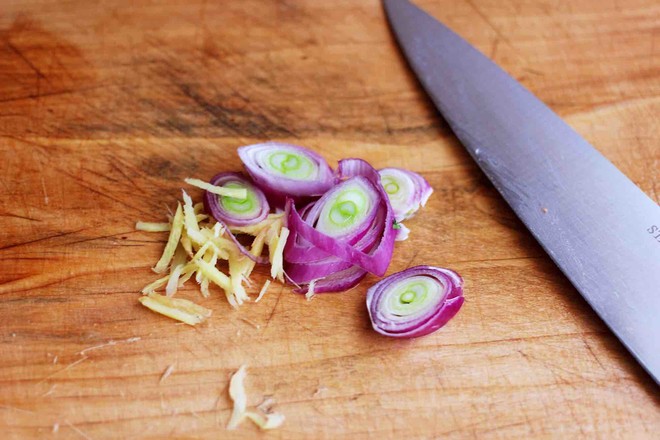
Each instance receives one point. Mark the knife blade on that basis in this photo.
(599, 228)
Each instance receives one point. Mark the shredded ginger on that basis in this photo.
(176, 308)
(240, 412)
(310, 290)
(172, 241)
(236, 193)
(263, 291)
(196, 247)
(152, 227)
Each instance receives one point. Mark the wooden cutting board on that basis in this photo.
(105, 108)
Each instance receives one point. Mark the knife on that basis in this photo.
(599, 228)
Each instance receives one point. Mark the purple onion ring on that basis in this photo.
(229, 211)
(283, 170)
(340, 260)
(414, 302)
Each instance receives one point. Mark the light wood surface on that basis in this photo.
(106, 106)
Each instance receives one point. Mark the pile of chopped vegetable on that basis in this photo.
(198, 243)
(324, 230)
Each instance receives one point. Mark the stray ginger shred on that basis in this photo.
(168, 371)
(214, 275)
(190, 220)
(310, 290)
(237, 193)
(176, 308)
(172, 241)
(277, 265)
(266, 421)
(263, 290)
(152, 227)
(160, 282)
(239, 412)
(178, 264)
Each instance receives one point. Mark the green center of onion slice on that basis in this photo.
(413, 296)
(291, 165)
(239, 206)
(407, 297)
(391, 187)
(344, 211)
(399, 188)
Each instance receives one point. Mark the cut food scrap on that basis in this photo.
(152, 227)
(263, 291)
(238, 193)
(240, 412)
(176, 308)
(172, 241)
(407, 192)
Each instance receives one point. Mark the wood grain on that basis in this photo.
(106, 106)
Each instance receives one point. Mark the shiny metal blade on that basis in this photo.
(600, 229)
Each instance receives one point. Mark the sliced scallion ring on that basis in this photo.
(284, 170)
(231, 211)
(234, 211)
(346, 208)
(348, 232)
(414, 302)
(407, 191)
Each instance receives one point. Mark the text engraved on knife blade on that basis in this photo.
(655, 232)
